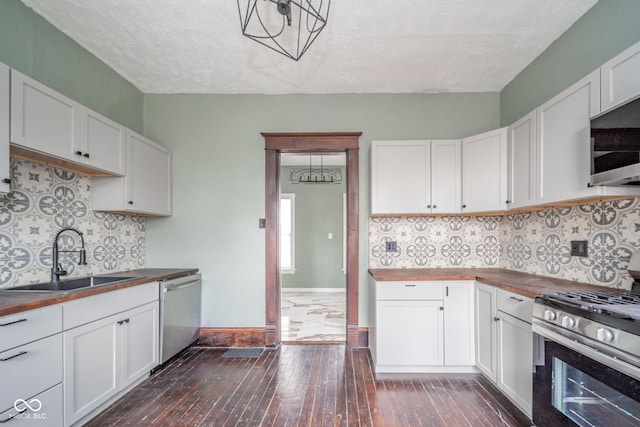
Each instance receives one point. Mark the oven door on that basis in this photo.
(574, 384)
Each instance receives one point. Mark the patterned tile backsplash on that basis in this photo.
(532, 242)
(43, 201)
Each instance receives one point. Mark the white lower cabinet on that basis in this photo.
(422, 326)
(515, 360)
(108, 352)
(44, 409)
(505, 343)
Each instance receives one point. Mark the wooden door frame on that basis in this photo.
(301, 143)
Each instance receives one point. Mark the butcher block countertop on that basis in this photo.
(15, 302)
(526, 284)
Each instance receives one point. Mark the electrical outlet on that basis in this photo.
(392, 246)
(579, 248)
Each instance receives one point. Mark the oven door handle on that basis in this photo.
(590, 352)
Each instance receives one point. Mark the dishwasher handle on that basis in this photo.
(171, 288)
(182, 282)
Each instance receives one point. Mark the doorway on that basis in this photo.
(305, 143)
(313, 248)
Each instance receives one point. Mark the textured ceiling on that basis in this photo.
(368, 46)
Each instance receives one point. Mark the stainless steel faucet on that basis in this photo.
(56, 269)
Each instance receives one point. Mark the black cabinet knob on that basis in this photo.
(130, 202)
(79, 153)
(435, 206)
(508, 202)
(464, 206)
(86, 155)
(6, 181)
(428, 206)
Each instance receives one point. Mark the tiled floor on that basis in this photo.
(313, 316)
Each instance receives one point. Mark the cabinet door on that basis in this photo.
(484, 172)
(515, 360)
(446, 176)
(410, 333)
(42, 119)
(148, 175)
(459, 334)
(49, 413)
(139, 339)
(619, 78)
(102, 142)
(522, 162)
(564, 142)
(5, 176)
(486, 357)
(400, 177)
(91, 374)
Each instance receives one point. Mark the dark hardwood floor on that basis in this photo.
(305, 385)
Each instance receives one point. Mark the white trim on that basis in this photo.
(313, 290)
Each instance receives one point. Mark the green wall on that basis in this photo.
(218, 156)
(318, 212)
(34, 47)
(610, 27)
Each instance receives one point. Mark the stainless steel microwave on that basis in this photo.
(615, 146)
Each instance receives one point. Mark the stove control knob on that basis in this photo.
(604, 335)
(568, 322)
(549, 315)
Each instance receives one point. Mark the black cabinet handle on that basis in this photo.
(130, 202)
(428, 206)
(508, 202)
(435, 206)
(464, 206)
(11, 323)
(79, 153)
(6, 181)
(22, 353)
(496, 319)
(86, 155)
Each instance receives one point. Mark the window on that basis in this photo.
(287, 225)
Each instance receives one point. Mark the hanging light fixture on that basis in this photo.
(289, 27)
(316, 176)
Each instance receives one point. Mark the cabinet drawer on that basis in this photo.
(516, 305)
(409, 290)
(30, 369)
(84, 310)
(47, 410)
(21, 328)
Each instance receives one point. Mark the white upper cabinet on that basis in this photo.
(563, 151)
(522, 162)
(400, 177)
(44, 121)
(620, 78)
(5, 178)
(147, 187)
(415, 177)
(484, 172)
(101, 143)
(446, 176)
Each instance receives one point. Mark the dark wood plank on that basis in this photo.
(309, 385)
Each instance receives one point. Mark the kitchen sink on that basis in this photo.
(70, 285)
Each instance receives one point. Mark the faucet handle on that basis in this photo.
(60, 271)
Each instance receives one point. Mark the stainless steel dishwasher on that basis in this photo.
(179, 314)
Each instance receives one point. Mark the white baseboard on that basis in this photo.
(313, 290)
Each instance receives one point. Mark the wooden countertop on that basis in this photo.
(15, 302)
(526, 284)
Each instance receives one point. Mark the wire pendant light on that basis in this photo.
(288, 27)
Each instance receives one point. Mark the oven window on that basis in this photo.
(589, 402)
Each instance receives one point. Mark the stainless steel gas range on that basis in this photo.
(590, 372)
